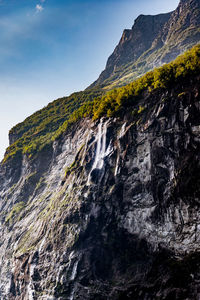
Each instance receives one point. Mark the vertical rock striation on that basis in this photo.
(111, 211)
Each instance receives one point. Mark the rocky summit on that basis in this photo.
(152, 41)
(100, 192)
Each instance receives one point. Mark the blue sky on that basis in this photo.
(51, 48)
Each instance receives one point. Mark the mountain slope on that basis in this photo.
(134, 42)
(43, 127)
(152, 41)
(108, 210)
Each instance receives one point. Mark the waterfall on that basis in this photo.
(98, 150)
(122, 131)
(121, 134)
(74, 271)
(101, 150)
(41, 245)
(116, 167)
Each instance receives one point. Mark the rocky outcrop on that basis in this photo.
(134, 42)
(111, 210)
(13, 138)
(180, 32)
(152, 41)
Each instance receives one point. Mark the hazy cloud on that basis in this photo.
(39, 7)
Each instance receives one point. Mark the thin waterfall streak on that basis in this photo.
(98, 150)
(101, 150)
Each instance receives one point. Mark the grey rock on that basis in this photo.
(111, 211)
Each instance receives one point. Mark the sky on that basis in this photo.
(51, 48)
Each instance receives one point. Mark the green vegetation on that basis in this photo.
(37, 131)
(26, 242)
(75, 163)
(48, 124)
(141, 109)
(17, 208)
(180, 40)
(183, 67)
(181, 94)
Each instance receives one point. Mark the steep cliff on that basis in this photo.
(110, 209)
(134, 43)
(152, 41)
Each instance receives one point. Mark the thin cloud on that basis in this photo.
(39, 8)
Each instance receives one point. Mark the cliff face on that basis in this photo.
(152, 41)
(111, 210)
(180, 32)
(134, 42)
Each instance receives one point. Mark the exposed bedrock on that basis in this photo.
(111, 211)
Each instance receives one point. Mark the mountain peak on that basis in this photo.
(134, 42)
(152, 41)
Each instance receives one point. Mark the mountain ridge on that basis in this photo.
(144, 29)
(177, 32)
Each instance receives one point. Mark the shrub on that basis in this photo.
(46, 125)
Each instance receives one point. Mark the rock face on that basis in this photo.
(134, 42)
(111, 211)
(152, 41)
